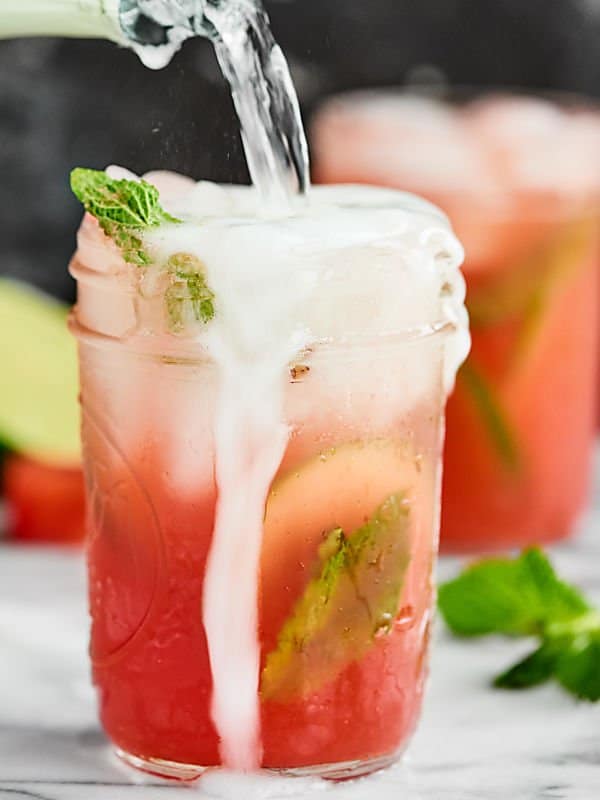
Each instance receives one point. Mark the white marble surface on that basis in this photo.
(474, 743)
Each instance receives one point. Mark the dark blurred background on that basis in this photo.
(65, 103)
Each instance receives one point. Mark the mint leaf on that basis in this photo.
(123, 208)
(511, 596)
(558, 601)
(524, 597)
(188, 290)
(537, 668)
(578, 670)
(133, 204)
(353, 599)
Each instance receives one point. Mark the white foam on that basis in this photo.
(354, 262)
(171, 185)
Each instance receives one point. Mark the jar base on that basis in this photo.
(341, 771)
(160, 767)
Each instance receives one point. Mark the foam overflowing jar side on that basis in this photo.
(333, 338)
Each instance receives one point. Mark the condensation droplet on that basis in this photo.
(405, 619)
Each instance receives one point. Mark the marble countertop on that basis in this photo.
(474, 743)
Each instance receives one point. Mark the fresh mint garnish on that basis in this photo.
(188, 289)
(123, 208)
(524, 597)
(352, 600)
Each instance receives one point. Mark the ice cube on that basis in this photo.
(170, 184)
(504, 119)
(210, 199)
(536, 145)
(405, 141)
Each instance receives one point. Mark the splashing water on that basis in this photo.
(257, 72)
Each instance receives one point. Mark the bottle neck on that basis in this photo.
(97, 19)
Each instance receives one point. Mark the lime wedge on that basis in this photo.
(522, 289)
(39, 413)
(352, 600)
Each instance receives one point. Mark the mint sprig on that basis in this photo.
(123, 208)
(524, 597)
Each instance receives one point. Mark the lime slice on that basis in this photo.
(338, 488)
(337, 537)
(523, 289)
(353, 599)
(39, 413)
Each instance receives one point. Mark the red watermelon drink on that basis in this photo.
(262, 404)
(520, 180)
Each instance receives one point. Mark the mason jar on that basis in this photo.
(303, 506)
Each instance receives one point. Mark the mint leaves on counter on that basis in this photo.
(123, 208)
(524, 597)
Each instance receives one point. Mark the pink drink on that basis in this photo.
(263, 491)
(520, 180)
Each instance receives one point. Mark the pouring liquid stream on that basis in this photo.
(250, 432)
(256, 70)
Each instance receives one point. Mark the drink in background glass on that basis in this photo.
(519, 178)
(263, 487)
